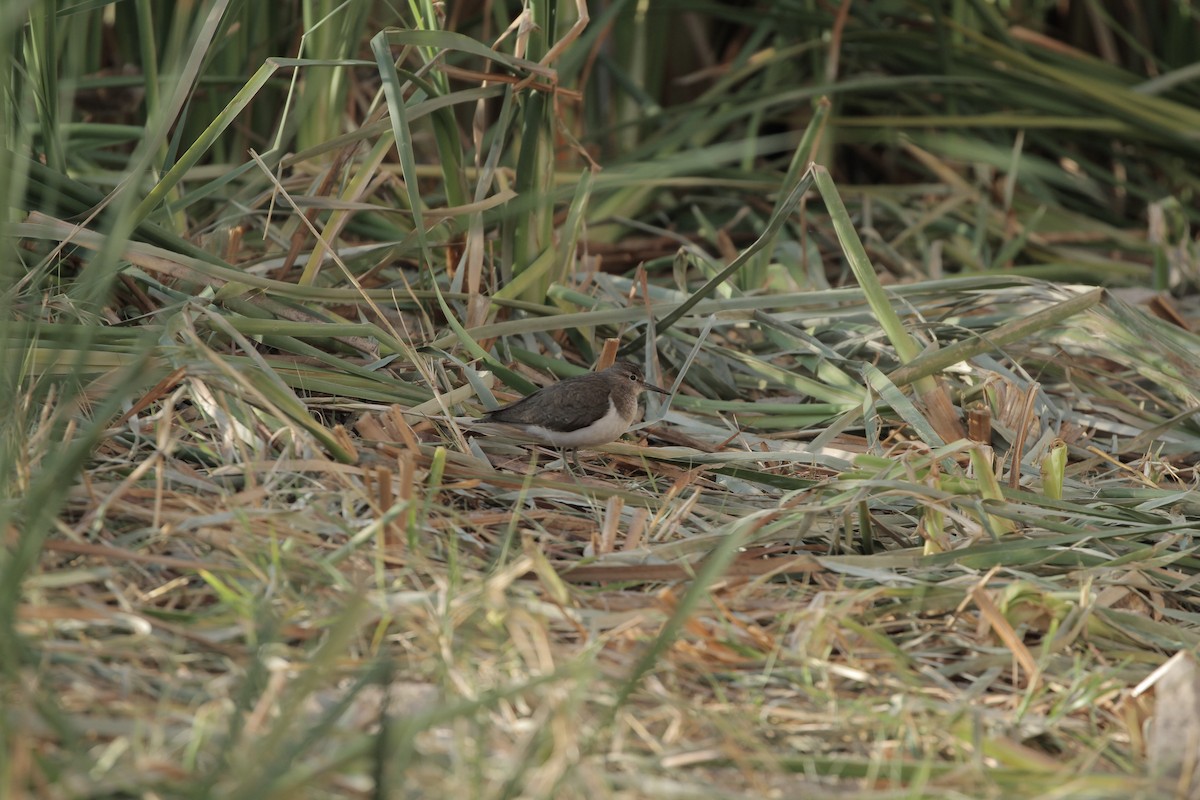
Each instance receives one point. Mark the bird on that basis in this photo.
(583, 411)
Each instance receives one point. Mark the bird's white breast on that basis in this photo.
(606, 429)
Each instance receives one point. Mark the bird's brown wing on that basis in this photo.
(572, 411)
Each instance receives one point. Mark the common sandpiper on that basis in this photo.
(582, 411)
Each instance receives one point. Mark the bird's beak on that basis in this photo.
(654, 388)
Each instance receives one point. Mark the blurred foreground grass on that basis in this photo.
(917, 520)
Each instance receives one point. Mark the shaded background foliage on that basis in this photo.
(1089, 107)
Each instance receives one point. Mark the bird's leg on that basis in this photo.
(562, 456)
